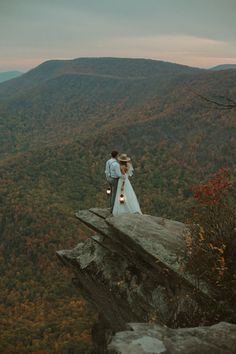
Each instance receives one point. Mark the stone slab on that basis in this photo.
(103, 213)
(93, 221)
(151, 338)
(162, 239)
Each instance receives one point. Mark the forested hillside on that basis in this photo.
(59, 123)
(63, 99)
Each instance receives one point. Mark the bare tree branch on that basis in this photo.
(230, 105)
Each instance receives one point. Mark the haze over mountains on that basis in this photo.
(8, 75)
(58, 124)
(224, 67)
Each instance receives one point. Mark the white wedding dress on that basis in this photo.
(131, 204)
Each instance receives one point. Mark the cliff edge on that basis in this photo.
(131, 269)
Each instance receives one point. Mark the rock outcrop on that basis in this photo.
(131, 269)
(155, 339)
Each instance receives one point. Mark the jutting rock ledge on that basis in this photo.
(131, 270)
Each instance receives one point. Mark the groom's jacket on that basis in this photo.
(112, 169)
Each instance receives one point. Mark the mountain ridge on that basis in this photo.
(123, 67)
(59, 107)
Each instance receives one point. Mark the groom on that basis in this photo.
(113, 174)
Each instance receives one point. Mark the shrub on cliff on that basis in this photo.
(211, 239)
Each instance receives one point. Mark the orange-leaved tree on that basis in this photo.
(211, 240)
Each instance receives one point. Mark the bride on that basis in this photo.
(126, 200)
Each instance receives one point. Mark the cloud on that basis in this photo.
(184, 49)
(188, 50)
(182, 31)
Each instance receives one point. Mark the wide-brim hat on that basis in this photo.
(123, 158)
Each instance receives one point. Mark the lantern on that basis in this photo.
(122, 199)
(108, 191)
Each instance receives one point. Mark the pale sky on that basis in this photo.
(192, 32)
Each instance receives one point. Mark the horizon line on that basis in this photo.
(114, 57)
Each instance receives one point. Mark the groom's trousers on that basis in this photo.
(113, 184)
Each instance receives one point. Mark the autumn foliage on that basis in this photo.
(214, 191)
(211, 240)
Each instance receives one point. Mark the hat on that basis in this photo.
(123, 157)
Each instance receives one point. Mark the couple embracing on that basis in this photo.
(123, 198)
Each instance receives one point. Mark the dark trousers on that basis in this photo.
(113, 182)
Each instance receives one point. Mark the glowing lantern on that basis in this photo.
(108, 191)
(122, 199)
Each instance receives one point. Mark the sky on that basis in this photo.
(198, 33)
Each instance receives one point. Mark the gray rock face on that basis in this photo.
(149, 338)
(131, 270)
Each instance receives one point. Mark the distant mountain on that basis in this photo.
(107, 68)
(61, 99)
(224, 67)
(8, 75)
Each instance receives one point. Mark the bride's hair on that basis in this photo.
(123, 167)
(127, 167)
